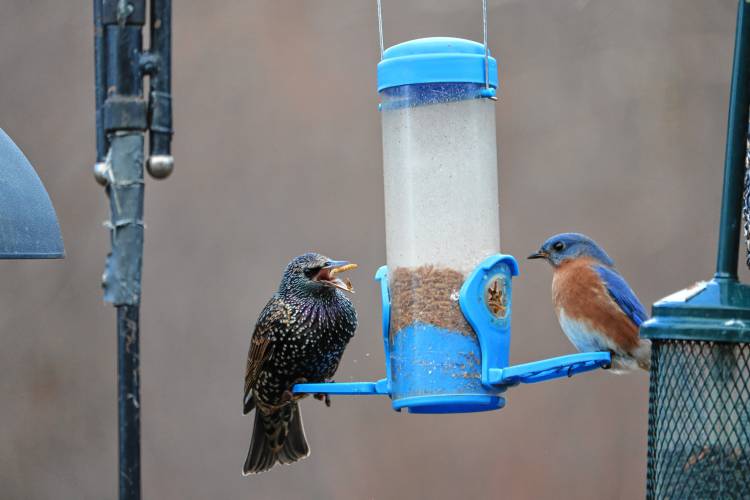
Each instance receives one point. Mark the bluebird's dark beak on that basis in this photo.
(538, 255)
(327, 275)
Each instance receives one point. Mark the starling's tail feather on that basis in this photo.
(277, 437)
(295, 446)
(248, 404)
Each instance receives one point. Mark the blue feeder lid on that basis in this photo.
(28, 223)
(435, 60)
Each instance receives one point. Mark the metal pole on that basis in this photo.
(734, 162)
(100, 89)
(125, 123)
(123, 117)
(160, 162)
(128, 402)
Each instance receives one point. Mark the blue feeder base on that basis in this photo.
(431, 370)
(527, 373)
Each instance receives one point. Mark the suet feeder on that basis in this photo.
(28, 223)
(446, 290)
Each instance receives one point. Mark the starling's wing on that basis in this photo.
(260, 350)
(622, 294)
(273, 317)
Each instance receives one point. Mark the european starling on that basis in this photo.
(300, 336)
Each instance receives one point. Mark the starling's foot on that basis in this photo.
(326, 398)
(289, 395)
(286, 396)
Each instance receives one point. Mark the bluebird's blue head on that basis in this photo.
(566, 246)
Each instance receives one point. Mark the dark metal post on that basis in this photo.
(734, 161)
(160, 98)
(100, 74)
(123, 116)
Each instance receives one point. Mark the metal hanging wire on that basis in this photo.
(484, 41)
(486, 49)
(380, 28)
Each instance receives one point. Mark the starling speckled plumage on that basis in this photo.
(300, 336)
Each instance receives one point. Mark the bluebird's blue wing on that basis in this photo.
(622, 294)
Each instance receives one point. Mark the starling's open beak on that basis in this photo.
(539, 255)
(327, 275)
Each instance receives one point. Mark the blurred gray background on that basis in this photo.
(611, 121)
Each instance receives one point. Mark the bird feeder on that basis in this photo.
(28, 223)
(699, 395)
(446, 290)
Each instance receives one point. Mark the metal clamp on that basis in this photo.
(125, 113)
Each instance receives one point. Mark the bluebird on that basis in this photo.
(300, 336)
(596, 308)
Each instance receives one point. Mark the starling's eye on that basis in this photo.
(558, 247)
(310, 272)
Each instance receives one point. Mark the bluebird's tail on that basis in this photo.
(642, 354)
(277, 437)
(637, 358)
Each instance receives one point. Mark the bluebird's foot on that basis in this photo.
(326, 398)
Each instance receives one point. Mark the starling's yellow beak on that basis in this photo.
(538, 255)
(327, 275)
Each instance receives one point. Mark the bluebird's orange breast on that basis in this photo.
(579, 294)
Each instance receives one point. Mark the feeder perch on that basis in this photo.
(446, 292)
(28, 223)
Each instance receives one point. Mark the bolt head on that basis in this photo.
(160, 166)
(100, 173)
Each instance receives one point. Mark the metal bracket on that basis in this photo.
(125, 113)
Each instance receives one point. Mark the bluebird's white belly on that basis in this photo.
(582, 336)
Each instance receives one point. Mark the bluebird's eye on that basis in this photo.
(559, 246)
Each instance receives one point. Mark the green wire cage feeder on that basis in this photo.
(699, 402)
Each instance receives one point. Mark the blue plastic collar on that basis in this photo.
(435, 60)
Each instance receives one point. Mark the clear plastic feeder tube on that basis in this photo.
(441, 203)
(440, 173)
